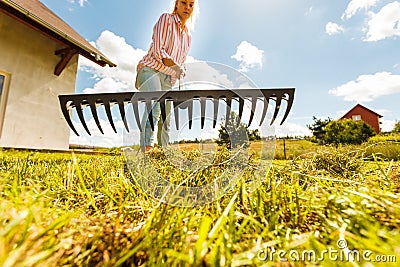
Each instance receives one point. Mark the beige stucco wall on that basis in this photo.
(33, 118)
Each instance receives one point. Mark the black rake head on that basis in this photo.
(179, 99)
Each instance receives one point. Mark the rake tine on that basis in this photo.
(122, 112)
(108, 112)
(228, 109)
(289, 105)
(176, 113)
(241, 104)
(135, 106)
(203, 110)
(81, 118)
(190, 112)
(277, 107)
(149, 111)
(92, 104)
(79, 102)
(266, 102)
(163, 113)
(253, 108)
(216, 103)
(65, 112)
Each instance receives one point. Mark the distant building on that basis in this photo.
(361, 113)
(38, 61)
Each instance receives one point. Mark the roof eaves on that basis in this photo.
(380, 116)
(98, 57)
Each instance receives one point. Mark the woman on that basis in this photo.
(162, 65)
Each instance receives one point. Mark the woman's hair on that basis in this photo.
(192, 20)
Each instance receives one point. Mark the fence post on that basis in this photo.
(284, 148)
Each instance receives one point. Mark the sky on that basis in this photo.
(335, 53)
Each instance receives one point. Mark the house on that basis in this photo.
(39, 61)
(359, 112)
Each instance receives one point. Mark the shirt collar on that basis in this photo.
(178, 21)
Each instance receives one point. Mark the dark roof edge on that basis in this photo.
(380, 116)
(97, 55)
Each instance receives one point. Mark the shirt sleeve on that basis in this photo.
(161, 35)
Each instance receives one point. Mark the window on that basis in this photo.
(4, 84)
(356, 117)
(2, 78)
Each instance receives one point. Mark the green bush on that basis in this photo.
(236, 133)
(318, 129)
(396, 127)
(391, 137)
(347, 131)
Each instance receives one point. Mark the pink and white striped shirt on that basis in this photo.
(169, 41)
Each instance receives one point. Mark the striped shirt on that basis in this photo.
(169, 41)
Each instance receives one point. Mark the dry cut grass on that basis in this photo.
(87, 210)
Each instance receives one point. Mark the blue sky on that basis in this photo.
(335, 53)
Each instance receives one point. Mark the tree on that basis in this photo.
(347, 131)
(396, 127)
(318, 129)
(254, 135)
(236, 134)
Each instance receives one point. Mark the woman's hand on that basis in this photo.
(180, 72)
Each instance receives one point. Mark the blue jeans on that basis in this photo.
(152, 80)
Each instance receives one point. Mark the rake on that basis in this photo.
(180, 99)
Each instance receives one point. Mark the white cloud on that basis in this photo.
(202, 71)
(368, 87)
(124, 55)
(332, 28)
(80, 2)
(292, 130)
(249, 56)
(215, 75)
(202, 134)
(108, 80)
(385, 23)
(387, 125)
(309, 11)
(378, 25)
(107, 85)
(356, 5)
(109, 139)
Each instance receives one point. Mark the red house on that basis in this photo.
(359, 112)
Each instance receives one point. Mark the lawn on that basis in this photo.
(317, 208)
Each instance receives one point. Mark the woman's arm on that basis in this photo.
(161, 35)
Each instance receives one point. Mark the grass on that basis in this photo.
(388, 150)
(87, 210)
(290, 148)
